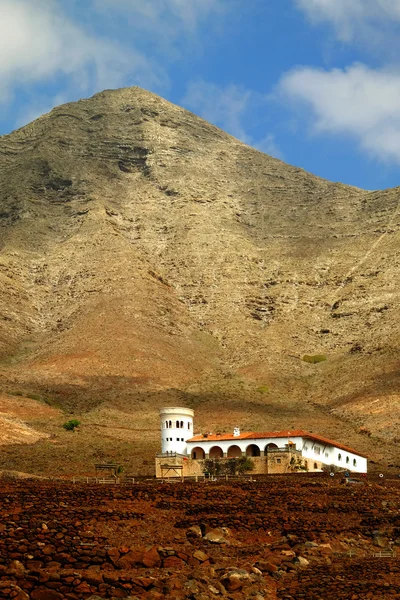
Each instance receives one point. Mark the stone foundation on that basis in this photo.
(280, 461)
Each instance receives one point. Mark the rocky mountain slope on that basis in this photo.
(147, 257)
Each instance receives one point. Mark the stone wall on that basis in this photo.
(283, 461)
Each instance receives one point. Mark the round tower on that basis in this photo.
(176, 428)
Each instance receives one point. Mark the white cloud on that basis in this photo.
(228, 108)
(366, 19)
(39, 43)
(357, 101)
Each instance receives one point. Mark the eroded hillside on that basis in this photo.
(148, 257)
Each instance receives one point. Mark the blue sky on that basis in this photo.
(313, 82)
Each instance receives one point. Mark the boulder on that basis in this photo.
(217, 536)
(131, 559)
(113, 554)
(200, 556)
(194, 532)
(151, 558)
(16, 568)
(301, 562)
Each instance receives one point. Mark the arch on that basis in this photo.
(354, 462)
(339, 457)
(198, 453)
(234, 452)
(270, 446)
(170, 424)
(181, 424)
(253, 450)
(166, 424)
(177, 425)
(216, 452)
(315, 466)
(347, 460)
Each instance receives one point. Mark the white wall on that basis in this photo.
(331, 455)
(311, 450)
(176, 427)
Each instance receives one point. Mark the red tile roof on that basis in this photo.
(255, 435)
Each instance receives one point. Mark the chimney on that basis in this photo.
(236, 432)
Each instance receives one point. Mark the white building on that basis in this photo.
(275, 451)
(314, 449)
(176, 429)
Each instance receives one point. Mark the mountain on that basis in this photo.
(149, 258)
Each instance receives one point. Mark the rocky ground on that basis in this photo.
(282, 537)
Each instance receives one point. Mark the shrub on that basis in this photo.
(244, 464)
(71, 424)
(297, 463)
(218, 467)
(263, 389)
(314, 358)
(34, 397)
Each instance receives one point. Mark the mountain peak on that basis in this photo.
(146, 253)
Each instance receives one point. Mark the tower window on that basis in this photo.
(188, 425)
(347, 459)
(177, 424)
(170, 423)
(339, 457)
(166, 424)
(181, 424)
(354, 462)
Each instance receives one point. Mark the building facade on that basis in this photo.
(271, 452)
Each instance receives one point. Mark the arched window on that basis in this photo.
(181, 424)
(198, 453)
(189, 425)
(234, 452)
(270, 446)
(216, 452)
(354, 462)
(315, 466)
(339, 457)
(253, 450)
(170, 423)
(166, 424)
(347, 459)
(177, 424)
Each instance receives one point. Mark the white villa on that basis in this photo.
(182, 452)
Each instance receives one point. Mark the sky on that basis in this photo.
(315, 83)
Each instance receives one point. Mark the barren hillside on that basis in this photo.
(147, 257)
